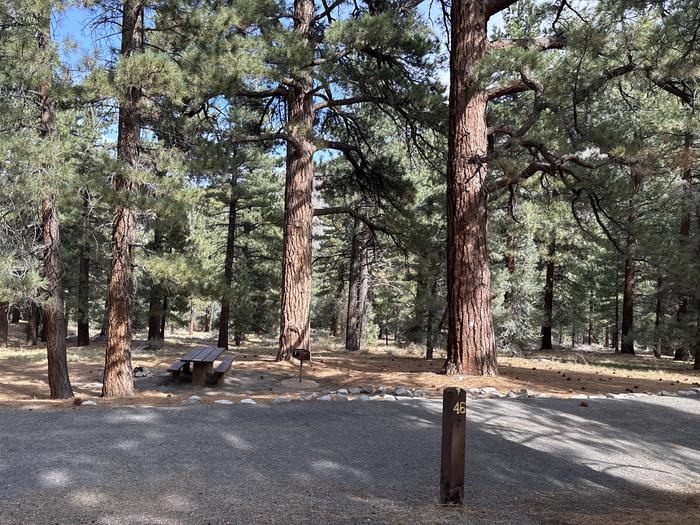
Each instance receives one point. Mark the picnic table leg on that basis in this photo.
(199, 372)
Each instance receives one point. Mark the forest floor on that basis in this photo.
(559, 373)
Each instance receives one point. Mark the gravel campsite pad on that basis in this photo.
(528, 461)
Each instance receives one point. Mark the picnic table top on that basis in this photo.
(207, 354)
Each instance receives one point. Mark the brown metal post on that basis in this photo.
(454, 418)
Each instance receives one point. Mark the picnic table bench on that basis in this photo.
(202, 362)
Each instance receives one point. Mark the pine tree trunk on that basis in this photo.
(32, 322)
(59, 382)
(339, 304)
(4, 324)
(352, 337)
(118, 380)
(163, 318)
(616, 331)
(84, 277)
(548, 296)
(42, 325)
(696, 364)
(657, 319)
(696, 345)
(430, 329)
(590, 321)
(418, 330)
(225, 314)
(155, 301)
(298, 207)
(155, 315)
(207, 319)
(682, 352)
(471, 345)
(15, 315)
(190, 327)
(630, 268)
(363, 294)
(54, 314)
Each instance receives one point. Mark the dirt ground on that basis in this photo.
(587, 370)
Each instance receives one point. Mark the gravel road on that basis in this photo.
(528, 461)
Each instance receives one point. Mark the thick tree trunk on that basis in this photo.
(471, 344)
(32, 323)
(84, 276)
(298, 207)
(4, 323)
(118, 380)
(15, 315)
(54, 313)
(225, 314)
(546, 343)
(630, 267)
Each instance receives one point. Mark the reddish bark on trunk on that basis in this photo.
(118, 380)
(54, 313)
(298, 208)
(471, 345)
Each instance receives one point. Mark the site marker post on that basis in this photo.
(454, 419)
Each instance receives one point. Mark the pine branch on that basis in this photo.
(496, 6)
(541, 43)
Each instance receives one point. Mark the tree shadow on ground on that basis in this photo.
(544, 461)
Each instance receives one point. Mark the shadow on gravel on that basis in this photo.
(535, 461)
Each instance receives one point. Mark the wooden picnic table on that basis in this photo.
(202, 360)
